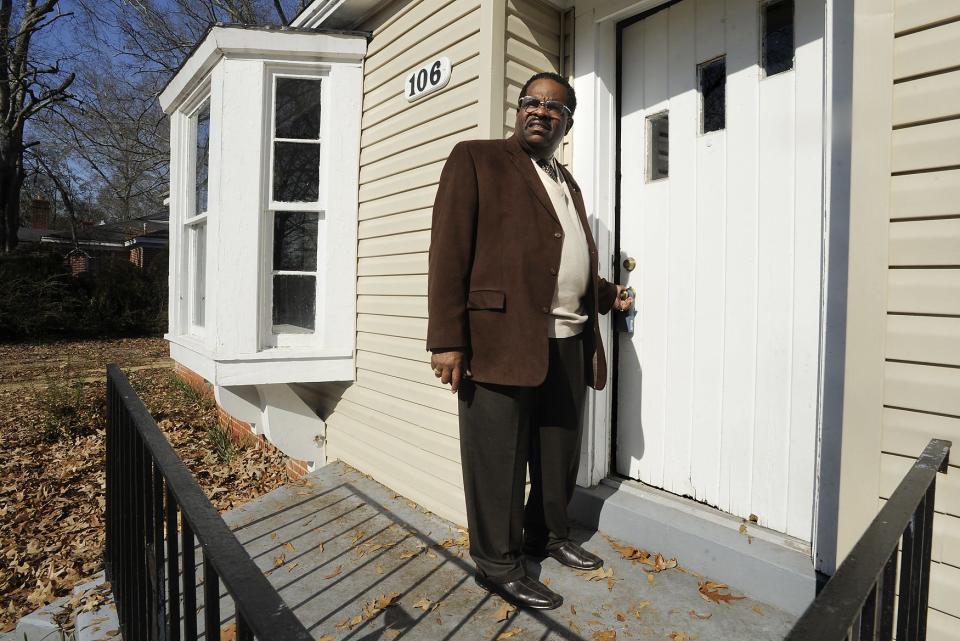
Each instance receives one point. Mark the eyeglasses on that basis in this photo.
(554, 107)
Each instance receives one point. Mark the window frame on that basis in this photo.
(269, 338)
(193, 275)
(702, 98)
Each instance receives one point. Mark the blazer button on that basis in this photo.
(557, 234)
(545, 310)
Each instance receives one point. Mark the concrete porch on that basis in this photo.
(339, 547)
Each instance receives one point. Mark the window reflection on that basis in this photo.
(294, 303)
(203, 158)
(298, 108)
(295, 241)
(296, 172)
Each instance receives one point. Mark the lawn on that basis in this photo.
(52, 458)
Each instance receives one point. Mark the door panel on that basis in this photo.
(717, 386)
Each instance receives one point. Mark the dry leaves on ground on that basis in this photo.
(370, 610)
(503, 612)
(627, 552)
(680, 636)
(605, 635)
(51, 460)
(509, 634)
(716, 592)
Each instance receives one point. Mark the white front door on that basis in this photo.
(721, 172)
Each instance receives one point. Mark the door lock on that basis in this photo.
(629, 264)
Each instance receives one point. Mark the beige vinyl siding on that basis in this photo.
(532, 46)
(922, 348)
(396, 422)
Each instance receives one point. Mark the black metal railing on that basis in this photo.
(150, 552)
(858, 601)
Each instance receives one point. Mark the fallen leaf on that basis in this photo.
(228, 632)
(335, 572)
(503, 612)
(757, 609)
(694, 613)
(378, 568)
(679, 636)
(279, 560)
(289, 547)
(610, 583)
(650, 578)
(605, 635)
(710, 591)
(621, 616)
(753, 518)
(424, 604)
(509, 634)
(546, 581)
(392, 633)
(357, 535)
(743, 528)
(573, 610)
(386, 600)
(597, 575)
(327, 637)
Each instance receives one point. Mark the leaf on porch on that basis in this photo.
(292, 566)
(462, 540)
(596, 575)
(357, 535)
(327, 637)
(610, 583)
(574, 627)
(573, 610)
(279, 560)
(695, 614)
(424, 604)
(228, 632)
(392, 633)
(628, 552)
(621, 616)
(384, 601)
(546, 581)
(650, 578)
(757, 609)
(680, 636)
(335, 572)
(605, 635)
(711, 591)
(409, 554)
(509, 634)
(660, 564)
(503, 612)
(289, 547)
(743, 528)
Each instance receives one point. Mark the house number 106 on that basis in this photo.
(427, 78)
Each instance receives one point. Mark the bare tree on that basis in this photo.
(27, 86)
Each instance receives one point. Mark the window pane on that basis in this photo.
(199, 233)
(713, 92)
(298, 108)
(295, 241)
(296, 172)
(294, 304)
(778, 37)
(658, 147)
(203, 157)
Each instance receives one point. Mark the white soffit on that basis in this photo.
(235, 41)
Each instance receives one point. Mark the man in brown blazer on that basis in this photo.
(514, 297)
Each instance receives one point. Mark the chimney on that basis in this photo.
(40, 213)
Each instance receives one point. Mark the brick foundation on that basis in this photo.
(240, 432)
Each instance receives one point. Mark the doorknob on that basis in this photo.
(629, 264)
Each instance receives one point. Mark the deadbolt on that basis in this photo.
(629, 264)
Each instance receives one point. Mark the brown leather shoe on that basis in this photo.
(571, 555)
(526, 592)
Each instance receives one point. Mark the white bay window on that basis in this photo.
(264, 189)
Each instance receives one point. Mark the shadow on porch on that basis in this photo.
(355, 561)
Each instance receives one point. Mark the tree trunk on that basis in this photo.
(11, 179)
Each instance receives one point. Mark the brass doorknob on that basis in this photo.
(629, 264)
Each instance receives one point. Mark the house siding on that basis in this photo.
(396, 421)
(922, 350)
(532, 45)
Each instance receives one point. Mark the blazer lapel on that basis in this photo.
(529, 173)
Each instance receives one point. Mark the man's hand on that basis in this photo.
(623, 301)
(451, 368)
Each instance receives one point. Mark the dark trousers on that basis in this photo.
(503, 429)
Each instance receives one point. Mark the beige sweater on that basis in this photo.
(574, 274)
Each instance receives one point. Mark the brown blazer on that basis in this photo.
(494, 256)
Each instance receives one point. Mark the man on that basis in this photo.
(513, 298)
